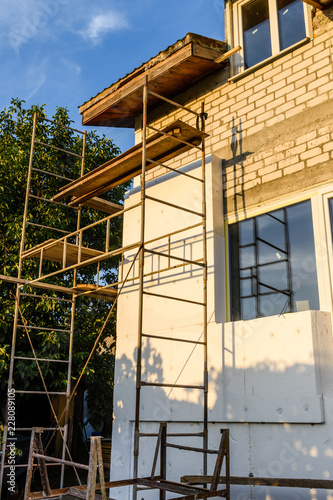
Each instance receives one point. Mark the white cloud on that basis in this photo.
(25, 19)
(102, 24)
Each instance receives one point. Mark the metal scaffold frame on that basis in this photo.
(19, 294)
(138, 160)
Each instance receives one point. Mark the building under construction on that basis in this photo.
(224, 358)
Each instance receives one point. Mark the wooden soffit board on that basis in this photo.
(169, 73)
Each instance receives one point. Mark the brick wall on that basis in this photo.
(272, 128)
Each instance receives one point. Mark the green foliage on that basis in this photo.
(15, 139)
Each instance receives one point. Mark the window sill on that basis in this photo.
(260, 65)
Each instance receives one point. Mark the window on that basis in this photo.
(266, 27)
(273, 266)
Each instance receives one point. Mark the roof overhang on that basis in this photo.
(169, 73)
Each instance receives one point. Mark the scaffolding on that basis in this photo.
(157, 148)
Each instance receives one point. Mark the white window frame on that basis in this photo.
(238, 59)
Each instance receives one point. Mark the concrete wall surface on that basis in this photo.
(270, 379)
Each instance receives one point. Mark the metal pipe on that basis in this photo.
(174, 206)
(42, 359)
(174, 298)
(61, 461)
(58, 149)
(171, 338)
(176, 104)
(205, 318)
(47, 227)
(192, 145)
(141, 283)
(182, 386)
(51, 201)
(177, 171)
(59, 124)
(46, 297)
(52, 174)
(173, 257)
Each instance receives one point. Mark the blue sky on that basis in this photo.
(62, 52)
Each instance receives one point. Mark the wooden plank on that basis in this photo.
(263, 481)
(104, 293)
(160, 147)
(75, 492)
(53, 250)
(228, 54)
(317, 5)
(105, 206)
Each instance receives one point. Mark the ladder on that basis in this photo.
(62, 297)
(142, 387)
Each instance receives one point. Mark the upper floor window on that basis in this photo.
(273, 263)
(263, 28)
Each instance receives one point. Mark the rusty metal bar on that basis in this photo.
(59, 124)
(192, 145)
(163, 458)
(41, 263)
(60, 461)
(40, 392)
(173, 257)
(157, 450)
(176, 104)
(29, 429)
(192, 448)
(51, 201)
(58, 149)
(158, 200)
(181, 386)
(204, 279)
(43, 328)
(175, 170)
(48, 227)
(173, 298)
(52, 174)
(264, 481)
(141, 284)
(160, 337)
(47, 297)
(222, 452)
(42, 359)
(178, 231)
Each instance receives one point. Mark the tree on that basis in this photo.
(15, 138)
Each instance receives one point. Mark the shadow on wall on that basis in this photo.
(233, 168)
(264, 450)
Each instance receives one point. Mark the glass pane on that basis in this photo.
(291, 22)
(273, 305)
(256, 32)
(246, 287)
(246, 232)
(272, 237)
(302, 257)
(248, 308)
(246, 257)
